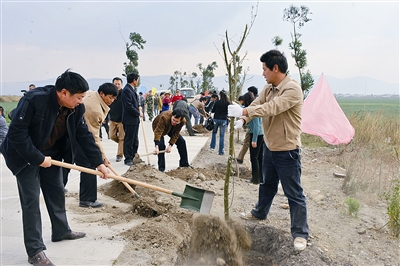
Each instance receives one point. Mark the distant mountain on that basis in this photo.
(357, 85)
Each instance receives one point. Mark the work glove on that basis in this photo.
(238, 124)
(234, 110)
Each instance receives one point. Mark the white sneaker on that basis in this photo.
(300, 243)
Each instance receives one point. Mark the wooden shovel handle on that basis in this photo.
(152, 153)
(115, 177)
(145, 142)
(125, 184)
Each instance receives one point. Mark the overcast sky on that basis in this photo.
(41, 39)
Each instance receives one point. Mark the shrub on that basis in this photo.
(353, 206)
(393, 209)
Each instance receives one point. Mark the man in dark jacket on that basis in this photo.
(116, 128)
(48, 123)
(169, 123)
(183, 105)
(131, 113)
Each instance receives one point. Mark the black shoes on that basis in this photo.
(40, 259)
(71, 236)
(93, 204)
(118, 158)
(129, 163)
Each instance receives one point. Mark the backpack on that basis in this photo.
(209, 124)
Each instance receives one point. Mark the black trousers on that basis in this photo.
(131, 142)
(143, 111)
(88, 182)
(30, 180)
(256, 158)
(181, 145)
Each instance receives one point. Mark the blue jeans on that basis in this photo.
(219, 123)
(283, 166)
(193, 111)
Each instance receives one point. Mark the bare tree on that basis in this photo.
(234, 66)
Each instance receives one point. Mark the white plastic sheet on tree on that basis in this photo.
(322, 116)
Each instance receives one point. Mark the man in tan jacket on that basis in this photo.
(97, 107)
(279, 105)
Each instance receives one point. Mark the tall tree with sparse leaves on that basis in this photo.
(135, 43)
(181, 80)
(207, 74)
(298, 17)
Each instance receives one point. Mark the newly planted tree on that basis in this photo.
(234, 66)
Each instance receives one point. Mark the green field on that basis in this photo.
(351, 105)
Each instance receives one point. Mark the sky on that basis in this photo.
(344, 39)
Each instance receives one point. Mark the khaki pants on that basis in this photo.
(117, 134)
(245, 148)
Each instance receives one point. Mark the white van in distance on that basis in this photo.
(188, 93)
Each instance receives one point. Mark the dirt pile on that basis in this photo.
(158, 232)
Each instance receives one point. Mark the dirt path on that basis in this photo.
(157, 232)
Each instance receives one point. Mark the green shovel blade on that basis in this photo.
(196, 199)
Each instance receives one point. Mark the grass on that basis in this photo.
(351, 105)
(8, 106)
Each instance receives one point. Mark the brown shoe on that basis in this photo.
(40, 259)
(71, 236)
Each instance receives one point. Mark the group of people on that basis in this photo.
(155, 103)
(67, 127)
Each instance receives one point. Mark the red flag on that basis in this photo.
(322, 116)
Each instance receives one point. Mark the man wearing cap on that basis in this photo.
(166, 101)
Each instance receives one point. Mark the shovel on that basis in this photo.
(151, 153)
(145, 142)
(193, 198)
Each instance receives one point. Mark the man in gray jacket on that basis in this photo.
(183, 105)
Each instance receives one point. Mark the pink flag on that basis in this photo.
(322, 116)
